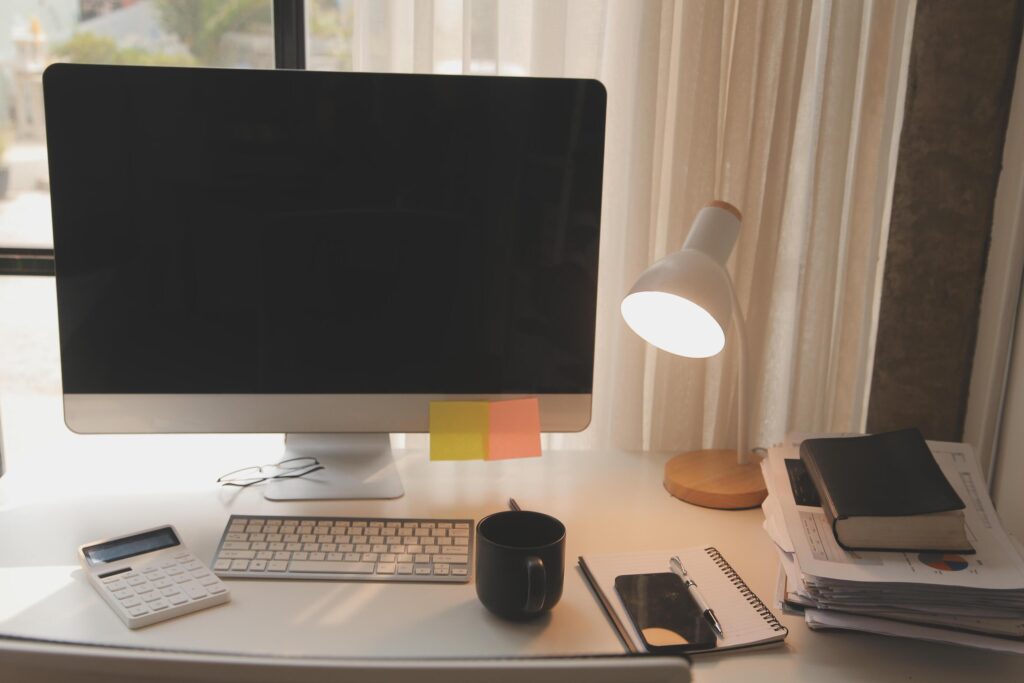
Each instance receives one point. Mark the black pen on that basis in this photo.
(691, 586)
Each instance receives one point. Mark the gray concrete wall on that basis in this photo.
(962, 65)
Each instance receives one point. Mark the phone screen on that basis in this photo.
(664, 613)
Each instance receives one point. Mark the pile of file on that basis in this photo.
(968, 599)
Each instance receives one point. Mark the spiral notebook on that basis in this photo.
(746, 620)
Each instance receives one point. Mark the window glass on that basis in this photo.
(329, 35)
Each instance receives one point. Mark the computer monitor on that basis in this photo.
(321, 254)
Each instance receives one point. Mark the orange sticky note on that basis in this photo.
(514, 429)
(458, 430)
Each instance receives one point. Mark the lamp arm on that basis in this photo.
(742, 444)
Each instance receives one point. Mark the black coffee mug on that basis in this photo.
(520, 563)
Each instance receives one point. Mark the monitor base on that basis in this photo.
(356, 466)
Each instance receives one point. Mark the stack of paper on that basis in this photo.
(975, 600)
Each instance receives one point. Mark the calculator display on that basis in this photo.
(111, 551)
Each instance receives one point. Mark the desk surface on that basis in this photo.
(62, 490)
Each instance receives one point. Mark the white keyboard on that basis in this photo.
(346, 549)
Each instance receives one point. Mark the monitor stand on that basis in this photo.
(355, 466)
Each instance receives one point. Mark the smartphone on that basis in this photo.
(664, 613)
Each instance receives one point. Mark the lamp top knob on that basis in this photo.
(720, 204)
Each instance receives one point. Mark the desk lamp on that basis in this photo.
(682, 305)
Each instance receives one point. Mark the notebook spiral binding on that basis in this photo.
(741, 585)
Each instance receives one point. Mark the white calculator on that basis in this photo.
(150, 576)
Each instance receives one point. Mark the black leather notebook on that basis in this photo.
(886, 492)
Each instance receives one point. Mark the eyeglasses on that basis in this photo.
(286, 469)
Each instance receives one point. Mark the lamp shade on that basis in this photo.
(683, 303)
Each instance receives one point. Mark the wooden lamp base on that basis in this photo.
(713, 479)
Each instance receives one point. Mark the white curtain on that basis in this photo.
(788, 109)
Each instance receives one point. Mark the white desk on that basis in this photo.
(62, 490)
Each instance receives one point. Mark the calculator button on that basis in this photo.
(193, 565)
(157, 605)
(195, 591)
(138, 611)
(162, 583)
(211, 579)
(185, 578)
(130, 602)
(217, 590)
(144, 588)
(116, 585)
(152, 596)
(136, 581)
(149, 570)
(179, 599)
(123, 593)
(222, 565)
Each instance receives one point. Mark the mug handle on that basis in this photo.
(536, 585)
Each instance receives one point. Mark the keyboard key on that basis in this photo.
(254, 566)
(451, 559)
(405, 568)
(239, 565)
(422, 570)
(277, 566)
(328, 567)
(385, 567)
(237, 554)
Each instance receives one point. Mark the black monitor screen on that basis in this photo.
(238, 231)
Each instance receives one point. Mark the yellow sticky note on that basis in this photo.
(514, 429)
(458, 430)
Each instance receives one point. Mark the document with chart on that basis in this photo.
(996, 565)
